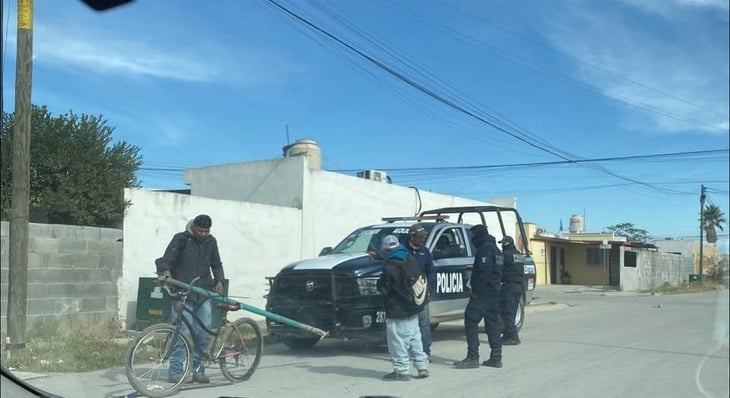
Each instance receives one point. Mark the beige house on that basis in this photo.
(576, 259)
(608, 260)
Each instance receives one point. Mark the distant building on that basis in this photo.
(584, 258)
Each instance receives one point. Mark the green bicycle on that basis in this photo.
(236, 347)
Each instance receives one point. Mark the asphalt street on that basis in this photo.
(576, 343)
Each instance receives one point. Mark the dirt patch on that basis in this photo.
(696, 287)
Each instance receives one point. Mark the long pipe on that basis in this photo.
(270, 315)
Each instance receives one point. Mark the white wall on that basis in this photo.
(339, 204)
(255, 240)
(275, 182)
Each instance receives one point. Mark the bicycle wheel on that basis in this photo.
(148, 361)
(240, 350)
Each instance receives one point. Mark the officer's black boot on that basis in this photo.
(493, 363)
(511, 340)
(467, 363)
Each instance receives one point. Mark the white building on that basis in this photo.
(266, 214)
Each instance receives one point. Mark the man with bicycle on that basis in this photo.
(192, 254)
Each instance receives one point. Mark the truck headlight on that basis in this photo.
(367, 286)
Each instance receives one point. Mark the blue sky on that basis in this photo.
(197, 83)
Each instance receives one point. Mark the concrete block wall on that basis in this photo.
(72, 270)
(654, 269)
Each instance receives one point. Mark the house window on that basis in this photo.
(630, 259)
(594, 257)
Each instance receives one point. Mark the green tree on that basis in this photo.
(628, 230)
(712, 217)
(77, 175)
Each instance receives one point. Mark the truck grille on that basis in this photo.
(304, 286)
(314, 286)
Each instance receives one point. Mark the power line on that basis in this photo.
(561, 190)
(448, 87)
(549, 72)
(450, 168)
(455, 173)
(396, 91)
(449, 91)
(558, 162)
(411, 82)
(450, 103)
(583, 62)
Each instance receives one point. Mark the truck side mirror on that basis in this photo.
(325, 251)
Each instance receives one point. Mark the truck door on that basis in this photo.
(452, 261)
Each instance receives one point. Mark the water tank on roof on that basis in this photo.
(308, 148)
(576, 224)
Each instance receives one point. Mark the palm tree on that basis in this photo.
(712, 217)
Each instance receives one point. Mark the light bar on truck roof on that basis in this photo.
(438, 218)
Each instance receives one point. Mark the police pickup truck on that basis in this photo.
(337, 290)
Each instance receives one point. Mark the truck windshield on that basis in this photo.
(368, 239)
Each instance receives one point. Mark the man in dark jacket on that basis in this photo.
(485, 284)
(422, 256)
(512, 286)
(192, 254)
(403, 334)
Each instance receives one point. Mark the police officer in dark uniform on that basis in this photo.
(512, 287)
(485, 284)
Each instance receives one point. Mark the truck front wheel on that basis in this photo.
(520, 314)
(300, 343)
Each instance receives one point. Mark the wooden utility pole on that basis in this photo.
(702, 225)
(18, 275)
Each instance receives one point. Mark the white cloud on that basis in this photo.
(83, 49)
(719, 4)
(100, 52)
(115, 56)
(172, 131)
(686, 80)
(676, 8)
(91, 51)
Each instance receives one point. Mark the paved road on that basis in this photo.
(617, 345)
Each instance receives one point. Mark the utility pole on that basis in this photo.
(702, 224)
(18, 275)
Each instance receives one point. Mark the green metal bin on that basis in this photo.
(154, 304)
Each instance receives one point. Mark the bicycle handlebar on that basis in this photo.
(167, 280)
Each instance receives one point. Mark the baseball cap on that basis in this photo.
(417, 230)
(389, 242)
(507, 240)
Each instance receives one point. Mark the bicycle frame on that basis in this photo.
(236, 345)
(180, 319)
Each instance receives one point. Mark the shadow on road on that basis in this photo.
(329, 348)
(694, 354)
(347, 371)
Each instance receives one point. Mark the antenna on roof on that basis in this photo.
(287, 134)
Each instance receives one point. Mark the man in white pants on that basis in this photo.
(403, 333)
